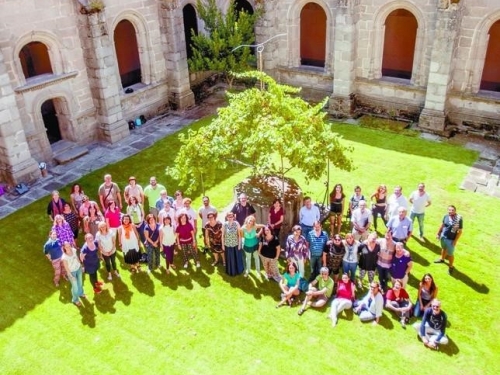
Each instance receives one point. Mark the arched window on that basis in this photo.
(312, 35)
(190, 27)
(399, 44)
(35, 60)
(243, 5)
(127, 53)
(490, 79)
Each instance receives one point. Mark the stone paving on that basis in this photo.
(101, 154)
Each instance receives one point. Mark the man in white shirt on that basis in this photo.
(419, 200)
(395, 201)
(361, 221)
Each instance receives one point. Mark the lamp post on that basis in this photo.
(259, 48)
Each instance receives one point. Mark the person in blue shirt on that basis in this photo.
(432, 329)
(317, 239)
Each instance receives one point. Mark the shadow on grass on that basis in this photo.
(405, 144)
(473, 284)
(143, 283)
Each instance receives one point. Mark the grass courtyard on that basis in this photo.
(205, 322)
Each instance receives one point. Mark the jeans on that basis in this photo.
(420, 218)
(383, 276)
(305, 231)
(431, 334)
(350, 269)
(339, 305)
(76, 285)
(110, 262)
(153, 257)
(248, 261)
(315, 266)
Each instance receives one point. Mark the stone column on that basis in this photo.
(103, 77)
(433, 116)
(16, 162)
(174, 50)
(344, 45)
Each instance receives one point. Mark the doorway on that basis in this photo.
(51, 121)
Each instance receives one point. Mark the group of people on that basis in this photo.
(158, 223)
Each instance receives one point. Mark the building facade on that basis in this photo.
(73, 73)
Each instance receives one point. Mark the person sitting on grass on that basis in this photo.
(370, 308)
(433, 326)
(320, 290)
(344, 298)
(427, 291)
(398, 300)
(289, 285)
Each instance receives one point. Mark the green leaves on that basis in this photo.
(256, 126)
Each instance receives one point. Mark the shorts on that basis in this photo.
(447, 245)
(335, 214)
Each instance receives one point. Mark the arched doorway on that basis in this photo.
(243, 5)
(35, 60)
(490, 79)
(51, 121)
(190, 27)
(127, 53)
(312, 35)
(399, 44)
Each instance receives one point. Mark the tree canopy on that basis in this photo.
(254, 128)
(215, 49)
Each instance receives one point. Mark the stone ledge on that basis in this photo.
(44, 80)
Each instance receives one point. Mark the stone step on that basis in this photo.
(70, 154)
(61, 146)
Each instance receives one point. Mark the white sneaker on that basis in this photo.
(110, 277)
(148, 271)
(185, 265)
(246, 274)
(198, 265)
(117, 274)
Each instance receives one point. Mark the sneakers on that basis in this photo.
(198, 265)
(245, 274)
(301, 311)
(185, 265)
(99, 283)
(450, 270)
(334, 320)
(439, 261)
(403, 322)
(117, 274)
(110, 277)
(97, 290)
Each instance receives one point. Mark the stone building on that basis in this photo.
(71, 73)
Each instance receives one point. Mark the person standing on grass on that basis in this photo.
(92, 220)
(308, 214)
(354, 201)
(317, 241)
(128, 238)
(53, 251)
(250, 232)
(74, 271)
(109, 191)
(432, 329)
(213, 238)
(63, 230)
(449, 232)
(400, 226)
(333, 254)
(337, 201)
(343, 299)
(269, 251)
(401, 265)
(107, 246)
(186, 240)
(395, 201)
(160, 203)
(276, 217)
(133, 190)
(242, 209)
(361, 220)
(55, 206)
(289, 285)
(371, 307)
(152, 193)
(297, 249)
(319, 291)
(90, 257)
(379, 207)
(71, 218)
(420, 200)
(167, 241)
(113, 216)
(152, 236)
(136, 212)
(203, 212)
(189, 211)
(231, 244)
(76, 198)
(384, 261)
(351, 256)
(368, 256)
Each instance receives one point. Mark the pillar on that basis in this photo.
(174, 50)
(433, 116)
(16, 162)
(103, 77)
(344, 57)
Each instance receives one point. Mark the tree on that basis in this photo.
(224, 32)
(256, 126)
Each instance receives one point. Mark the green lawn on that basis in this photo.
(204, 322)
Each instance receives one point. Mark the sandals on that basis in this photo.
(301, 311)
(77, 304)
(215, 263)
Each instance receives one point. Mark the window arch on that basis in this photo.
(399, 44)
(312, 35)
(127, 53)
(35, 60)
(490, 79)
(190, 25)
(243, 5)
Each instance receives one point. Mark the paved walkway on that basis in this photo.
(101, 154)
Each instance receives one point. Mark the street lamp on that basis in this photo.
(259, 48)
